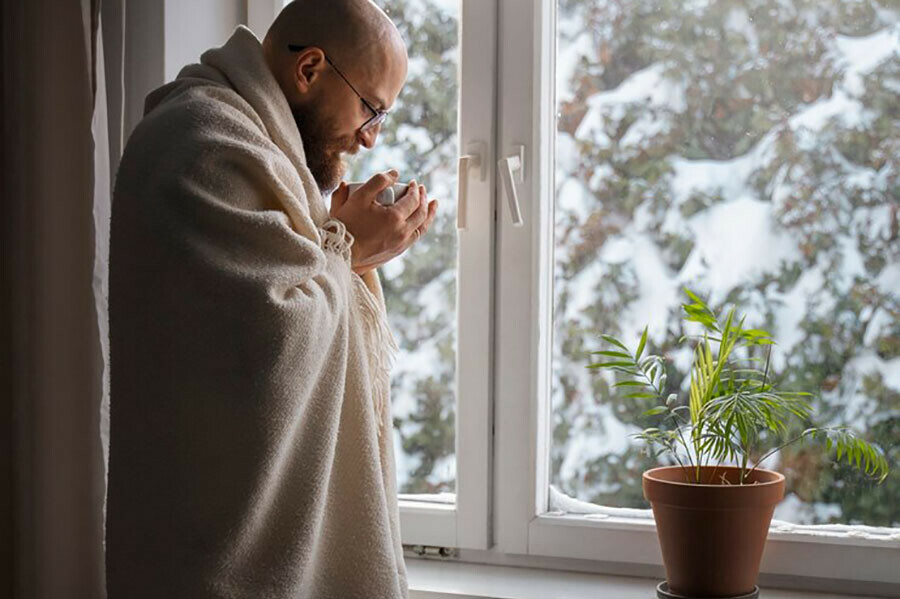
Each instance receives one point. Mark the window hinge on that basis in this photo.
(429, 551)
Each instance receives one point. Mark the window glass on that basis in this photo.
(749, 151)
(418, 139)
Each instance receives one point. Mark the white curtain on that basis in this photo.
(62, 107)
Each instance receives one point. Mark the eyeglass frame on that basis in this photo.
(378, 116)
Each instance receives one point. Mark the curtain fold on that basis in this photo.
(62, 102)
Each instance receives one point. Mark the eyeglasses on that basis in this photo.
(378, 116)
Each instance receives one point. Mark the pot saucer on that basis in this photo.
(663, 592)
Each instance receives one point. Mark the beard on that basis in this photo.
(323, 148)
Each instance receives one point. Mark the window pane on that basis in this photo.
(419, 141)
(747, 150)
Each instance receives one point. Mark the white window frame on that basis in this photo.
(503, 424)
(464, 524)
(523, 523)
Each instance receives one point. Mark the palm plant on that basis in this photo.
(732, 405)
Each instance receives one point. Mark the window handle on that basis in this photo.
(473, 159)
(512, 169)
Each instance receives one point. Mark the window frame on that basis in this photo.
(466, 525)
(523, 523)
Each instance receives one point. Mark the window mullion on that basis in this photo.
(524, 292)
(478, 21)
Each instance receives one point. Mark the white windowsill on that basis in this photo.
(433, 579)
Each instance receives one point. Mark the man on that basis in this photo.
(250, 448)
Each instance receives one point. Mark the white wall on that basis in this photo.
(194, 26)
(162, 36)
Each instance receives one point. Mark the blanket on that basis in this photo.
(250, 430)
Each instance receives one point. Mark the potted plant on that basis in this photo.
(714, 504)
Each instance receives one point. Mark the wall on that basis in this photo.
(162, 37)
(194, 26)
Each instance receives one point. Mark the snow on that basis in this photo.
(444, 469)
(417, 136)
(859, 55)
(791, 309)
(881, 535)
(567, 59)
(739, 21)
(735, 241)
(795, 510)
(839, 105)
(888, 281)
(409, 367)
(643, 131)
(658, 290)
(573, 197)
(792, 516)
(727, 178)
(605, 434)
(560, 504)
(403, 461)
(861, 409)
(650, 87)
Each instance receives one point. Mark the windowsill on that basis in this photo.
(433, 579)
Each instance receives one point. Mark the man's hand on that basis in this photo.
(381, 232)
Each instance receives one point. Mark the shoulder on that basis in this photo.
(197, 113)
(200, 127)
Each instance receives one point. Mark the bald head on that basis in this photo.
(356, 34)
(339, 63)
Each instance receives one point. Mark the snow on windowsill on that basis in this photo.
(561, 504)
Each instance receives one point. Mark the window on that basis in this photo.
(746, 149)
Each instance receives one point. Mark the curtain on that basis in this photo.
(62, 121)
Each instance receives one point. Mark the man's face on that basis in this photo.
(324, 145)
(330, 119)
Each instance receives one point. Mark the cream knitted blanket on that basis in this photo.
(250, 451)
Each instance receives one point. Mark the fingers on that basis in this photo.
(432, 210)
(418, 217)
(410, 201)
(378, 183)
(423, 228)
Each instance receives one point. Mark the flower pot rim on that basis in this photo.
(648, 475)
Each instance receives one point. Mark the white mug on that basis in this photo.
(387, 196)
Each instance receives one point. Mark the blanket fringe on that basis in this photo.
(336, 238)
(382, 347)
(382, 351)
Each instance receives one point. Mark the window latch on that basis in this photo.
(473, 159)
(512, 169)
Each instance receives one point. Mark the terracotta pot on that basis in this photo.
(712, 534)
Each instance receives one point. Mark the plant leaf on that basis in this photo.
(655, 411)
(643, 342)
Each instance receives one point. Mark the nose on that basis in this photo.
(367, 138)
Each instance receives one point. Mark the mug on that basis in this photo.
(387, 196)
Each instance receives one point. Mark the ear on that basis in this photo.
(309, 65)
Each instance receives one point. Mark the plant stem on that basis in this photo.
(779, 448)
(683, 442)
(747, 449)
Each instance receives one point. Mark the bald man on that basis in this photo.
(250, 429)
